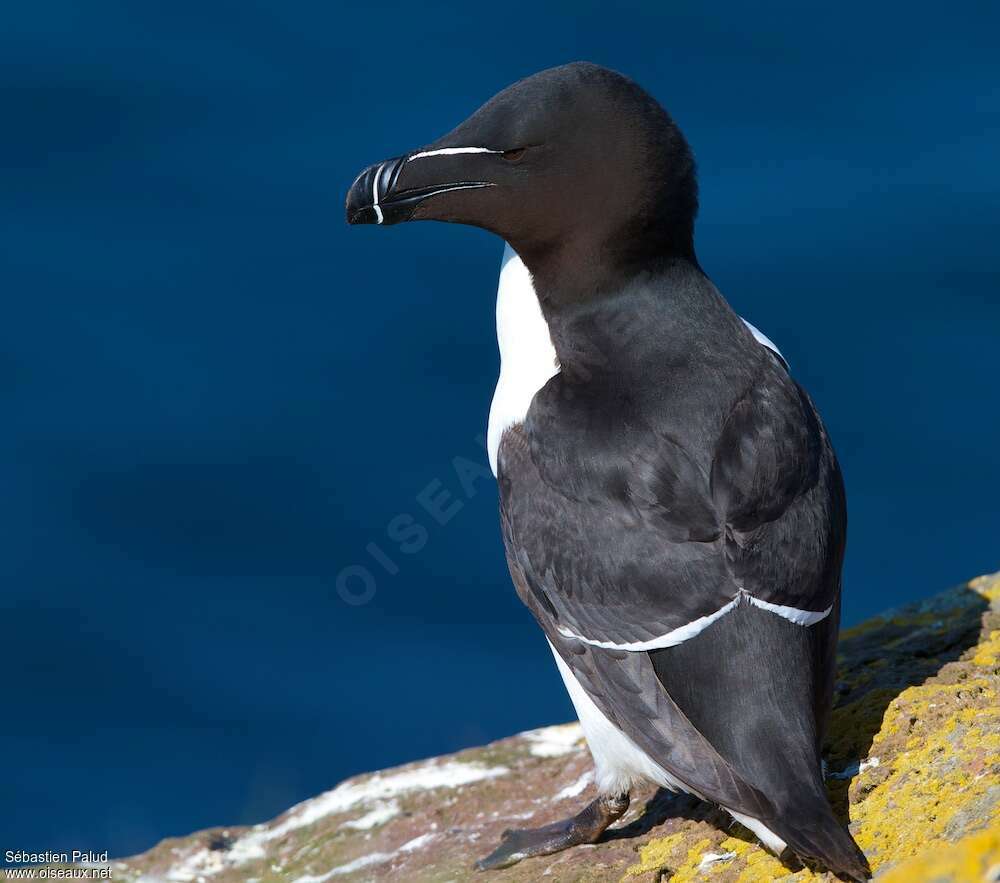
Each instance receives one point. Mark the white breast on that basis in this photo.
(527, 358)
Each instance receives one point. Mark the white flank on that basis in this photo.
(619, 763)
(450, 151)
(527, 357)
(792, 614)
(554, 741)
(670, 639)
(766, 836)
(696, 626)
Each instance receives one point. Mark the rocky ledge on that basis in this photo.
(913, 760)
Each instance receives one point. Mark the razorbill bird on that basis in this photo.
(671, 506)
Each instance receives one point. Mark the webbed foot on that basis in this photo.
(585, 827)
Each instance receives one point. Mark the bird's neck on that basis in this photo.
(596, 262)
(628, 321)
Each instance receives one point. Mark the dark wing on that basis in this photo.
(630, 526)
(776, 483)
(623, 544)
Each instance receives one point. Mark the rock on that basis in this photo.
(913, 756)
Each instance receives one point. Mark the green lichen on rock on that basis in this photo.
(913, 752)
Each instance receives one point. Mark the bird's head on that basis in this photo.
(572, 164)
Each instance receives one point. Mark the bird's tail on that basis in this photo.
(813, 833)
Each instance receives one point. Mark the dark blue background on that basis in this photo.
(216, 395)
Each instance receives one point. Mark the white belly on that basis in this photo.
(618, 762)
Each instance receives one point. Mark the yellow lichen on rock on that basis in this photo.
(691, 865)
(852, 724)
(988, 586)
(937, 774)
(973, 859)
(988, 653)
(762, 867)
(655, 855)
(940, 744)
(731, 859)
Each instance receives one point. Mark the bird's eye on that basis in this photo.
(512, 155)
